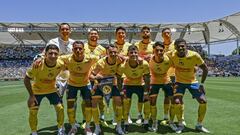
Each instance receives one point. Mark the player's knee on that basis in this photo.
(153, 101)
(59, 108)
(177, 100)
(202, 99)
(88, 103)
(70, 104)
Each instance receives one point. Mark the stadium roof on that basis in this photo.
(220, 30)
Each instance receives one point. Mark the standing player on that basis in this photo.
(122, 46)
(145, 52)
(136, 73)
(159, 65)
(44, 80)
(78, 64)
(107, 67)
(184, 62)
(92, 47)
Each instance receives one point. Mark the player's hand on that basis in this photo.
(123, 93)
(31, 101)
(147, 57)
(37, 63)
(202, 89)
(98, 76)
(146, 96)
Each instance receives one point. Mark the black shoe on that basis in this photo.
(125, 129)
(146, 127)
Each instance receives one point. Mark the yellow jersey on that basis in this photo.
(144, 49)
(159, 71)
(133, 76)
(79, 71)
(185, 67)
(123, 49)
(44, 77)
(170, 49)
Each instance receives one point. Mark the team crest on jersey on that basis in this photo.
(106, 89)
(79, 68)
(181, 63)
(50, 75)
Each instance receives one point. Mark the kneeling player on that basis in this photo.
(44, 78)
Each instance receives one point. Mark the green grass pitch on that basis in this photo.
(222, 115)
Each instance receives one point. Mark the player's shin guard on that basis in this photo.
(118, 114)
(126, 109)
(60, 114)
(140, 107)
(153, 112)
(201, 112)
(146, 110)
(166, 110)
(71, 115)
(83, 105)
(114, 107)
(101, 106)
(88, 114)
(179, 111)
(33, 120)
(95, 115)
(172, 112)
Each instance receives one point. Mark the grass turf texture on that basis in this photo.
(222, 115)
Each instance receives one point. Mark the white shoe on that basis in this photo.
(97, 130)
(77, 124)
(180, 129)
(139, 119)
(88, 131)
(119, 130)
(34, 133)
(73, 130)
(129, 119)
(61, 131)
(201, 129)
(173, 127)
(184, 123)
(114, 123)
(154, 126)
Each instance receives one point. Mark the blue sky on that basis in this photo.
(149, 11)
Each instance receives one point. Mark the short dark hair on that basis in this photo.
(166, 28)
(110, 46)
(145, 28)
(78, 42)
(64, 24)
(132, 47)
(120, 28)
(92, 29)
(158, 43)
(51, 46)
(179, 40)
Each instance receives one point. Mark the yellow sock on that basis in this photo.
(71, 115)
(201, 112)
(118, 114)
(114, 107)
(88, 114)
(60, 114)
(140, 106)
(33, 120)
(172, 112)
(166, 110)
(153, 112)
(101, 106)
(179, 111)
(126, 108)
(95, 115)
(183, 111)
(146, 110)
(83, 105)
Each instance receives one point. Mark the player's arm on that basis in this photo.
(146, 78)
(95, 73)
(119, 82)
(32, 99)
(204, 73)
